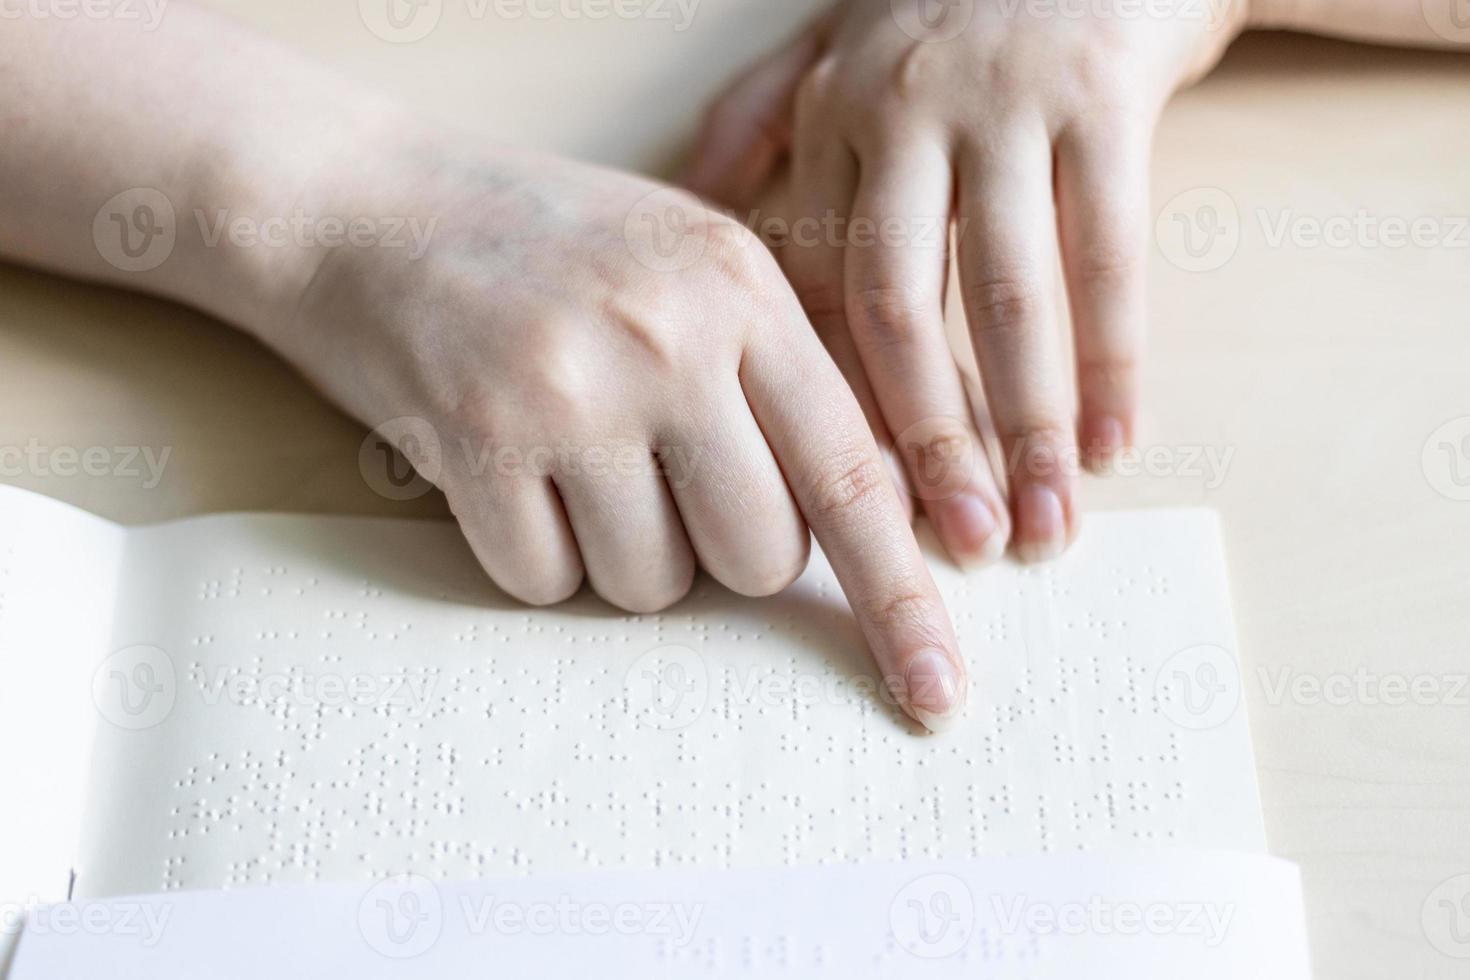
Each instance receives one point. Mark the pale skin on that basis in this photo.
(532, 321)
(1028, 125)
(535, 318)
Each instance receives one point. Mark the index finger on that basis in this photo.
(819, 436)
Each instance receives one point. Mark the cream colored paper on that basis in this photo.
(348, 698)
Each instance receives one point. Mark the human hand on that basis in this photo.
(1026, 122)
(610, 408)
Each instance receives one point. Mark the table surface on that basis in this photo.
(1330, 374)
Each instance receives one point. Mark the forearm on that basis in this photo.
(1412, 23)
(197, 123)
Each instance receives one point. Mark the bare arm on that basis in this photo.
(598, 402)
(1411, 23)
(213, 118)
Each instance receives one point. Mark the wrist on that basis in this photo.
(274, 194)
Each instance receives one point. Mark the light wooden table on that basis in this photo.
(1324, 370)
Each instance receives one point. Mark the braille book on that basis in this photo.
(261, 700)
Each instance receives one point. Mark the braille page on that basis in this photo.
(1204, 916)
(58, 570)
(350, 698)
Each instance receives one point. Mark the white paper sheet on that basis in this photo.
(1160, 917)
(58, 571)
(340, 699)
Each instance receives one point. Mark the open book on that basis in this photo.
(249, 700)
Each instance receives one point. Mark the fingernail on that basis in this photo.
(935, 696)
(1041, 527)
(970, 529)
(1104, 439)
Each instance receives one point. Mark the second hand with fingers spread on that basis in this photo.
(1027, 126)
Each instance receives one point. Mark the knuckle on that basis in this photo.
(1004, 301)
(1100, 72)
(1109, 264)
(909, 609)
(889, 314)
(650, 325)
(474, 414)
(847, 484)
(554, 381)
(735, 254)
(1006, 77)
(913, 75)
